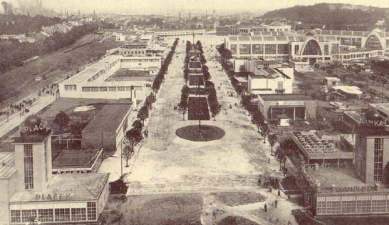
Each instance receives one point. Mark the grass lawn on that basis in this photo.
(198, 108)
(153, 209)
(238, 198)
(236, 220)
(195, 79)
(208, 133)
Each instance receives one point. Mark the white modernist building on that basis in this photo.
(269, 77)
(96, 80)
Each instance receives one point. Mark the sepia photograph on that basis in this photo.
(206, 112)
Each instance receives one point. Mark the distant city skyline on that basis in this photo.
(172, 7)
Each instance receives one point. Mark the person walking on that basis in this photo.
(275, 203)
(265, 207)
(279, 193)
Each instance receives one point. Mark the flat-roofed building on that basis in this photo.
(107, 129)
(294, 106)
(30, 192)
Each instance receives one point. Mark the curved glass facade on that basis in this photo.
(312, 48)
(373, 42)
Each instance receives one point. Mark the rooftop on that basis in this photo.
(284, 97)
(69, 187)
(108, 118)
(85, 74)
(382, 107)
(75, 158)
(37, 137)
(7, 164)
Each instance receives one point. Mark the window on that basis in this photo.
(378, 203)
(128, 88)
(103, 89)
(233, 49)
(373, 42)
(121, 88)
(86, 89)
(45, 215)
(15, 216)
(270, 49)
(283, 49)
(326, 49)
(321, 206)
(62, 214)
(112, 88)
(244, 49)
(348, 204)
(363, 204)
(94, 89)
(312, 48)
(28, 215)
(70, 87)
(378, 152)
(28, 167)
(78, 214)
(91, 208)
(333, 204)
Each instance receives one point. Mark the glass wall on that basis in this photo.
(233, 49)
(88, 213)
(270, 49)
(28, 167)
(352, 204)
(283, 49)
(378, 153)
(257, 49)
(244, 49)
(312, 48)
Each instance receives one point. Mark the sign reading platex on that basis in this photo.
(198, 108)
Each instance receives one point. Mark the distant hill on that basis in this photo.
(330, 14)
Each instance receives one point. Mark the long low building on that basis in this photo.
(315, 46)
(98, 79)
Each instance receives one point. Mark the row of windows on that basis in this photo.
(70, 87)
(140, 60)
(105, 89)
(261, 49)
(134, 52)
(51, 215)
(352, 205)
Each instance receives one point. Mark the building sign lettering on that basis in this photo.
(34, 128)
(53, 197)
(350, 189)
(373, 123)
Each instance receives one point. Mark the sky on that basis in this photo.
(173, 6)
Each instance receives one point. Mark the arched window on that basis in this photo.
(373, 42)
(312, 48)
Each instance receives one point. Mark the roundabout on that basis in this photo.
(206, 133)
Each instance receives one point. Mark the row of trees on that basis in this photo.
(14, 53)
(164, 68)
(134, 135)
(25, 24)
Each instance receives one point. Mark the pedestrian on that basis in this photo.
(288, 197)
(279, 193)
(265, 207)
(275, 203)
(268, 161)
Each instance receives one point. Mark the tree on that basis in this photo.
(213, 102)
(183, 105)
(242, 68)
(62, 120)
(143, 113)
(128, 149)
(137, 124)
(272, 140)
